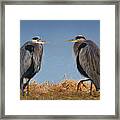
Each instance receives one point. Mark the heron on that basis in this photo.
(87, 56)
(30, 61)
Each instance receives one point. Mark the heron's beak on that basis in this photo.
(44, 42)
(41, 42)
(73, 40)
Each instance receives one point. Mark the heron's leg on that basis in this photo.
(84, 84)
(78, 86)
(81, 82)
(22, 88)
(91, 88)
(84, 81)
(27, 89)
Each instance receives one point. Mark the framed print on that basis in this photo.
(59, 59)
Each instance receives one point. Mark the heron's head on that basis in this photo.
(77, 38)
(38, 40)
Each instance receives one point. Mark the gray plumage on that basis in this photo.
(30, 61)
(87, 56)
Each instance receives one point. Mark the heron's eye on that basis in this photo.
(38, 40)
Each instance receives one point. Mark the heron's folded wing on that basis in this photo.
(25, 61)
(89, 60)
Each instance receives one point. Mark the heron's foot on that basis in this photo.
(96, 93)
(90, 92)
(22, 90)
(91, 89)
(27, 93)
(22, 94)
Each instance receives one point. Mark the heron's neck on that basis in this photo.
(76, 47)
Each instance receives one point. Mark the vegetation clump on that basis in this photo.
(64, 90)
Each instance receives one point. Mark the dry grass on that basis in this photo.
(65, 90)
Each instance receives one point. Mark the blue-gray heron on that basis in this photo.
(30, 61)
(87, 56)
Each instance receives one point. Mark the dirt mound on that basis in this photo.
(64, 90)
